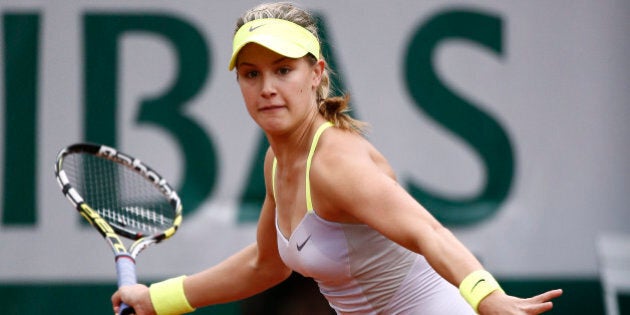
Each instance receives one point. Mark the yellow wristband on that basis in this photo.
(476, 286)
(168, 297)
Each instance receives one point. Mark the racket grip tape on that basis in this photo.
(126, 271)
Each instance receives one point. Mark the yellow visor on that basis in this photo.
(283, 37)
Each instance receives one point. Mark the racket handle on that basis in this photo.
(126, 271)
(126, 310)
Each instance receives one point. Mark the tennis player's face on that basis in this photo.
(279, 92)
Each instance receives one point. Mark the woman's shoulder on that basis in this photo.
(342, 149)
(339, 143)
(343, 166)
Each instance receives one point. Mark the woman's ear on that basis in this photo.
(318, 71)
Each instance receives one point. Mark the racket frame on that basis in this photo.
(124, 257)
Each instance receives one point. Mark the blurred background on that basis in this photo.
(508, 120)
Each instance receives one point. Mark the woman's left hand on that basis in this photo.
(501, 303)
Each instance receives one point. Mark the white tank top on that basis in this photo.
(359, 270)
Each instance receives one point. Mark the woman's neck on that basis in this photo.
(294, 146)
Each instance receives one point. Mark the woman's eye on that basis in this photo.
(284, 70)
(251, 74)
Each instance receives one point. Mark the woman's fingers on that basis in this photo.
(116, 301)
(549, 295)
(541, 303)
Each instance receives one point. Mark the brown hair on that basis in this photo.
(333, 108)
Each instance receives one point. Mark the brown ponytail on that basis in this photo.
(335, 109)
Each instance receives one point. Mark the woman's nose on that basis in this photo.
(268, 87)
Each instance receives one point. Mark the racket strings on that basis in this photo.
(129, 219)
(124, 198)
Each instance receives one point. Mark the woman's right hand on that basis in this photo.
(136, 296)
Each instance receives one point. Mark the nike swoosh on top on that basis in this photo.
(252, 28)
(300, 246)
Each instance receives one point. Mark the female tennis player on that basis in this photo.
(333, 209)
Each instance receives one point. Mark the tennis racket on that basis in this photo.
(121, 197)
